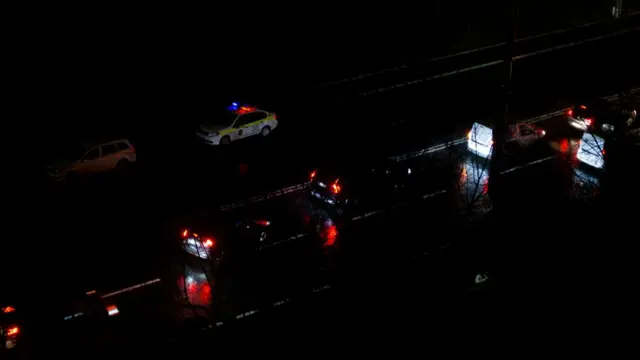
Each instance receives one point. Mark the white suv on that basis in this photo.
(97, 158)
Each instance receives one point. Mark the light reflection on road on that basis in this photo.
(196, 287)
(473, 184)
(586, 184)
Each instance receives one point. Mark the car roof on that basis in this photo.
(98, 142)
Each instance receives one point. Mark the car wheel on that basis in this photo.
(122, 165)
(265, 131)
(225, 140)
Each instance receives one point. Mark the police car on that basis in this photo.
(480, 138)
(237, 122)
(591, 150)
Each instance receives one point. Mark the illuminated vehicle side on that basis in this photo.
(480, 140)
(591, 150)
(238, 122)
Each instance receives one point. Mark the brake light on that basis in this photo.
(313, 174)
(570, 112)
(208, 243)
(112, 310)
(13, 331)
(587, 121)
(185, 233)
(336, 187)
(8, 309)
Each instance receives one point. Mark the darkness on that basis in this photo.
(151, 73)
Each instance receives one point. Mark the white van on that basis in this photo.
(480, 140)
(591, 150)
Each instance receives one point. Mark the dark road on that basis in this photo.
(113, 232)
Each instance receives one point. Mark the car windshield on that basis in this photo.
(223, 118)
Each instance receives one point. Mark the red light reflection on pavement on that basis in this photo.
(330, 235)
(197, 289)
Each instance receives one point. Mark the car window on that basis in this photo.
(122, 146)
(109, 149)
(249, 118)
(92, 154)
(525, 130)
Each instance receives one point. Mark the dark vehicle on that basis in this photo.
(221, 235)
(342, 189)
(601, 115)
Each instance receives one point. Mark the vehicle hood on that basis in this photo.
(211, 128)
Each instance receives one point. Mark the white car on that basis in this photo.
(92, 159)
(480, 138)
(591, 150)
(238, 122)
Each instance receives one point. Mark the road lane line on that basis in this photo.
(462, 140)
(131, 288)
(406, 156)
(526, 165)
(564, 46)
(481, 66)
(464, 52)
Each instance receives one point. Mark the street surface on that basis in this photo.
(114, 232)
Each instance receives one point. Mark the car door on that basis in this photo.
(249, 124)
(89, 162)
(109, 157)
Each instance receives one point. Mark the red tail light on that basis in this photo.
(570, 112)
(313, 174)
(588, 122)
(8, 309)
(208, 243)
(185, 233)
(13, 331)
(336, 187)
(274, 116)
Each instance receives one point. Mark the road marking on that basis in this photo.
(481, 66)
(465, 52)
(526, 165)
(406, 156)
(281, 302)
(247, 314)
(564, 46)
(462, 140)
(131, 288)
